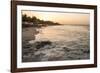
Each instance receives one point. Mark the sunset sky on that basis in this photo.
(62, 18)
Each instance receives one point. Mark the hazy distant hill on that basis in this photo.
(34, 21)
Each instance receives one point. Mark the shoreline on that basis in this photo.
(46, 50)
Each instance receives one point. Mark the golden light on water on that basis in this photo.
(62, 18)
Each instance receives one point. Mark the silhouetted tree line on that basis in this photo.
(34, 21)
